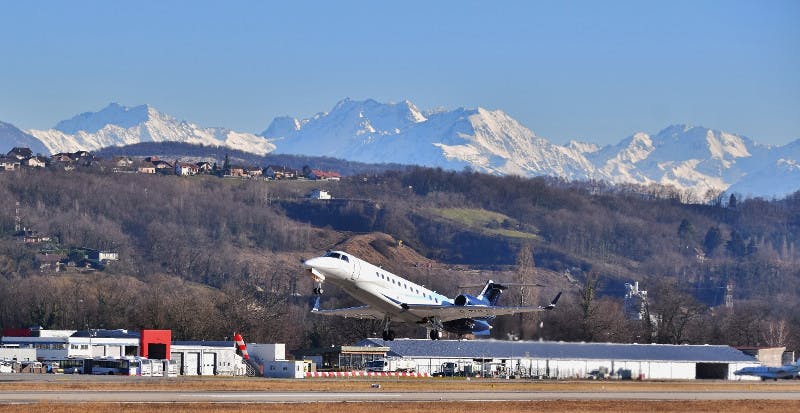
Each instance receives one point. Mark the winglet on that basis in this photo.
(552, 304)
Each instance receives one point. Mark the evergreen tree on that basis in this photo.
(686, 229)
(226, 165)
(732, 201)
(752, 248)
(712, 240)
(736, 245)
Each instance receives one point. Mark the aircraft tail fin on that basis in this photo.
(552, 304)
(492, 292)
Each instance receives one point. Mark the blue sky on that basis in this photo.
(592, 70)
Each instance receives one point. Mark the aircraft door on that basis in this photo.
(356, 269)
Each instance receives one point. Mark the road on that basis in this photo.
(82, 396)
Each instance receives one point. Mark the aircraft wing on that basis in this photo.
(455, 312)
(361, 312)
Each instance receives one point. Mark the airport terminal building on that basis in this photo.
(560, 360)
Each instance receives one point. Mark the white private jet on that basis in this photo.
(787, 371)
(389, 297)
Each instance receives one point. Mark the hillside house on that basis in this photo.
(205, 167)
(51, 262)
(146, 168)
(254, 172)
(123, 161)
(82, 154)
(8, 163)
(163, 167)
(20, 153)
(185, 169)
(280, 172)
(234, 170)
(35, 162)
(62, 157)
(320, 175)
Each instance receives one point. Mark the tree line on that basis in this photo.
(206, 256)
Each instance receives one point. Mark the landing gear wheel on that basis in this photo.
(318, 290)
(434, 334)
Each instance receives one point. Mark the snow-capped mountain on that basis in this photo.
(683, 156)
(368, 131)
(117, 125)
(689, 158)
(11, 137)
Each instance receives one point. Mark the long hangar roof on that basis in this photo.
(558, 350)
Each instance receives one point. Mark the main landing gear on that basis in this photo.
(388, 333)
(434, 334)
(318, 289)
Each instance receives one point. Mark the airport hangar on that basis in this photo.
(561, 360)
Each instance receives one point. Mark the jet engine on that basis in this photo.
(466, 299)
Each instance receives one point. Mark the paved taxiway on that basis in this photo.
(73, 396)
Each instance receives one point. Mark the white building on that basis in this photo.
(271, 360)
(64, 344)
(320, 194)
(207, 358)
(570, 360)
(17, 354)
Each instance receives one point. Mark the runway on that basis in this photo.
(138, 396)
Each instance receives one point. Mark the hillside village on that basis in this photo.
(21, 157)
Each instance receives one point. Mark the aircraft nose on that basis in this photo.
(321, 263)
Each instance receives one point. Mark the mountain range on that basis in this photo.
(688, 157)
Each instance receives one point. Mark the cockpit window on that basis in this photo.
(333, 255)
(344, 257)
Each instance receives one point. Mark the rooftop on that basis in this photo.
(558, 350)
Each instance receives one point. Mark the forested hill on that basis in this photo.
(206, 255)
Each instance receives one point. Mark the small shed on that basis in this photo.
(320, 194)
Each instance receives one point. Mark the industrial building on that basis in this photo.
(207, 358)
(561, 360)
(190, 358)
(67, 344)
(271, 362)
